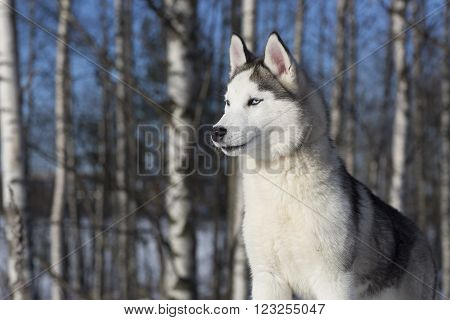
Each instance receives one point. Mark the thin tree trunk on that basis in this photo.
(31, 60)
(180, 271)
(417, 99)
(101, 203)
(383, 168)
(249, 22)
(351, 118)
(402, 106)
(13, 184)
(76, 258)
(337, 98)
(445, 174)
(100, 194)
(238, 259)
(122, 148)
(61, 140)
(235, 15)
(216, 283)
(323, 24)
(299, 30)
(131, 155)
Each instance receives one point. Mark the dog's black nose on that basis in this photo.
(218, 133)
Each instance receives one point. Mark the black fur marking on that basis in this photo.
(394, 236)
(355, 201)
(266, 81)
(262, 76)
(247, 66)
(350, 185)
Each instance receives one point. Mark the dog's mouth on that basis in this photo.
(230, 149)
(233, 148)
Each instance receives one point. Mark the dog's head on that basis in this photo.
(264, 114)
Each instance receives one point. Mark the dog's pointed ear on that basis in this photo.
(278, 59)
(239, 54)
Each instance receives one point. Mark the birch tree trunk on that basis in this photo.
(249, 22)
(122, 8)
(402, 105)
(417, 100)
(180, 272)
(132, 154)
(445, 174)
(351, 118)
(239, 269)
(61, 108)
(13, 184)
(337, 98)
(299, 30)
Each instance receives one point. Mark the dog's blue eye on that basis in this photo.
(227, 102)
(254, 101)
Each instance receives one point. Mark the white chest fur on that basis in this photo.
(293, 229)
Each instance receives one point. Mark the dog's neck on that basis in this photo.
(313, 157)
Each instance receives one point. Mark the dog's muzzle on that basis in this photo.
(218, 133)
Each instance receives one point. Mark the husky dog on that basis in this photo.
(309, 227)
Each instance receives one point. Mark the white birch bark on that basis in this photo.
(299, 30)
(179, 276)
(337, 98)
(249, 22)
(61, 109)
(445, 172)
(402, 106)
(13, 184)
(239, 275)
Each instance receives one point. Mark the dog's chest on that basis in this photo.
(283, 230)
